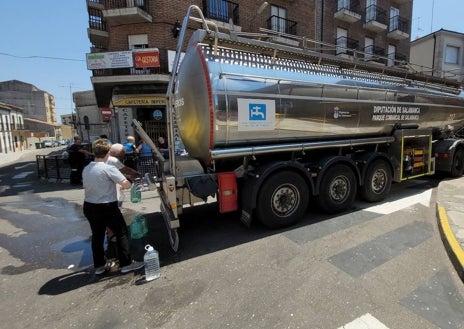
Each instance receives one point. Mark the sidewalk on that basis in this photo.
(450, 215)
(9, 158)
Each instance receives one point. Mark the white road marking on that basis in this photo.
(366, 321)
(23, 175)
(24, 166)
(390, 207)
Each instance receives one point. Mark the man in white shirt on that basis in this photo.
(102, 211)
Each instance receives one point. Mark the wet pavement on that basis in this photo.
(48, 250)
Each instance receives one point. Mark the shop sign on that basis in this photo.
(146, 59)
(141, 101)
(109, 60)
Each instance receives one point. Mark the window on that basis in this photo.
(368, 48)
(344, 4)
(394, 19)
(218, 9)
(138, 41)
(278, 19)
(371, 8)
(391, 55)
(452, 55)
(341, 41)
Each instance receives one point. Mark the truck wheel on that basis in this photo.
(337, 190)
(282, 199)
(457, 167)
(377, 182)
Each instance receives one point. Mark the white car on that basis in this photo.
(47, 143)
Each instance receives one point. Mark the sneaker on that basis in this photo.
(132, 267)
(100, 270)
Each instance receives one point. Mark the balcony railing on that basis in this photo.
(395, 59)
(18, 126)
(346, 45)
(96, 21)
(374, 53)
(118, 4)
(375, 13)
(282, 25)
(398, 23)
(221, 10)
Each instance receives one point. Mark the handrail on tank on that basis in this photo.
(295, 147)
(175, 67)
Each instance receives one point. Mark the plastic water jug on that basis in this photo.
(138, 227)
(151, 262)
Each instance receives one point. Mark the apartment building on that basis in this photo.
(439, 54)
(134, 42)
(35, 103)
(13, 134)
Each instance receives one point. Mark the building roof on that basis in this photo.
(43, 122)
(436, 32)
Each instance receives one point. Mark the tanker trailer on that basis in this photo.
(270, 129)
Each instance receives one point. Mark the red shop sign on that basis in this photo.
(146, 59)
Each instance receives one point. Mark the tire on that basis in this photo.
(377, 182)
(282, 199)
(457, 167)
(337, 190)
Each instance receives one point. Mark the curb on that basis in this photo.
(452, 245)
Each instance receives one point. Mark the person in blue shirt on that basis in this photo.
(130, 158)
(144, 149)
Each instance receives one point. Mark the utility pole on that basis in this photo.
(74, 114)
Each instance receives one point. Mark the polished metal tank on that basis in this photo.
(231, 98)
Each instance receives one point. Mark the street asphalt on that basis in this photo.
(449, 208)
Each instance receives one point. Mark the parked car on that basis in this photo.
(47, 143)
(56, 143)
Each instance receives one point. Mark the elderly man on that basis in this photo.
(116, 155)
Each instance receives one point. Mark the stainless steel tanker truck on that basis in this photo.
(272, 129)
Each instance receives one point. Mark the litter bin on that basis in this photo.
(38, 145)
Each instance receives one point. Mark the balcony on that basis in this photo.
(375, 19)
(97, 30)
(222, 11)
(346, 46)
(127, 12)
(348, 11)
(120, 70)
(398, 28)
(282, 25)
(95, 4)
(17, 126)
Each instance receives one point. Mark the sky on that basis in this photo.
(44, 42)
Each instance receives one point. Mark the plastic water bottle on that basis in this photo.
(138, 227)
(151, 262)
(136, 191)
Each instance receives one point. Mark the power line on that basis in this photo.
(43, 57)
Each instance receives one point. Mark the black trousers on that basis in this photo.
(100, 216)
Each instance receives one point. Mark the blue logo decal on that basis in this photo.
(257, 112)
